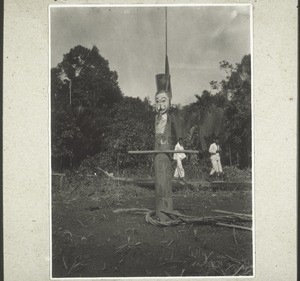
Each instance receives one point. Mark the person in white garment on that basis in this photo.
(179, 171)
(214, 151)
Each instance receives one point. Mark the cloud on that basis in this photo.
(224, 25)
(133, 41)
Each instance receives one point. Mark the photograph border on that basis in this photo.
(83, 6)
(26, 152)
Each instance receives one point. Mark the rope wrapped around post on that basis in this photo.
(177, 218)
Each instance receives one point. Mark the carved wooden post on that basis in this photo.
(163, 142)
(163, 165)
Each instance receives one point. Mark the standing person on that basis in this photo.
(179, 171)
(214, 150)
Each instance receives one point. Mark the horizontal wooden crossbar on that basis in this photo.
(58, 174)
(162, 151)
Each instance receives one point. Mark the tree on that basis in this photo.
(236, 88)
(131, 127)
(82, 86)
(91, 119)
(205, 119)
(226, 114)
(93, 83)
(238, 112)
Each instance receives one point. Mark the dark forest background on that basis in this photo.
(94, 124)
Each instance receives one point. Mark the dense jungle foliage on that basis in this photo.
(95, 124)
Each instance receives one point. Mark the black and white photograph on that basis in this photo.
(151, 141)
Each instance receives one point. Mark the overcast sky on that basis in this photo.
(132, 39)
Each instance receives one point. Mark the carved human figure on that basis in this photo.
(162, 102)
(163, 168)
(162, 130)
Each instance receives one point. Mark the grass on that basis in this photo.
(195, 172)
(216, 264)
(237, 175)
(96, 188)
(199, 262)
(77, 186)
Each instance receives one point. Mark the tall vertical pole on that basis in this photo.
(163, 139)
(166, 28)
(167, 71)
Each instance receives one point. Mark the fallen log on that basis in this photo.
(179, 184)
(148, 183)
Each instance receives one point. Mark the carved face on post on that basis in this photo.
(162, 102)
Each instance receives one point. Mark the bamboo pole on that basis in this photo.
(234, 226)
(231, 213)
(166, 27)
